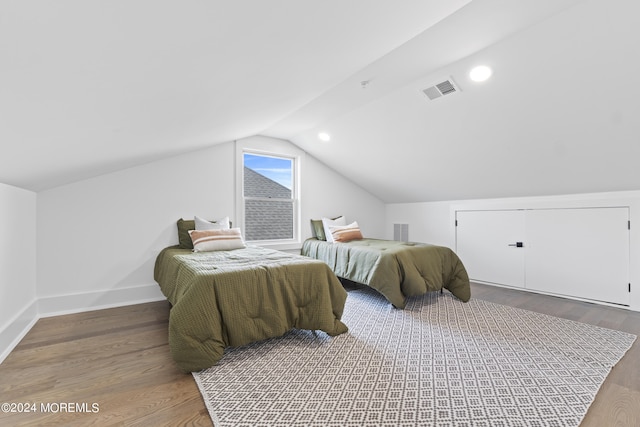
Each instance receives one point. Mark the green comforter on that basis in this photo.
(231, 298)
(395, 269)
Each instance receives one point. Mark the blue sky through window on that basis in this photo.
(276, 168)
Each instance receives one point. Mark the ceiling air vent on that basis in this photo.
(443, 88)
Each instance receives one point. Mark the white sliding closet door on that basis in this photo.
(579, 252)
(486, 242)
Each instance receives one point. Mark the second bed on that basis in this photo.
(398, 270)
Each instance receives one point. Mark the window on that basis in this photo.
(269, 197)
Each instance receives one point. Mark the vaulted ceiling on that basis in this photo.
(90, 87)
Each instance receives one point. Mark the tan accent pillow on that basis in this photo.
(345, 233)
(216, 240)
(184, 225)
(327, 222)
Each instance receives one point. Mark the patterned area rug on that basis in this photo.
(439, 362)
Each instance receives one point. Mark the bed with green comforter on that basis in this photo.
(231, 298)
(397, 270)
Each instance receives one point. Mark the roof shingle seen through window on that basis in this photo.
(266, 219)
(257, 185)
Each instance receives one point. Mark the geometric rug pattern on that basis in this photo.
(438, 362)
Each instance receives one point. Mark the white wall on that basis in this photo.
(329, 194)
(18, 307)
(98, 238)
(428, 222)
(434, 222)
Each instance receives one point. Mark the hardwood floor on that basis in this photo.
(119, 359)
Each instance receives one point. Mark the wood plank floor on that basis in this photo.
(119, 359)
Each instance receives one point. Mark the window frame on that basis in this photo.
(277, 152)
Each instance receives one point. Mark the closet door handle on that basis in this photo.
(517, 244)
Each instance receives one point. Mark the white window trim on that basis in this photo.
(277, 148)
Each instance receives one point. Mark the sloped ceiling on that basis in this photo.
(559, 115)
(87, 88)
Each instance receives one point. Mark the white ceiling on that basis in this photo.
(89, 87)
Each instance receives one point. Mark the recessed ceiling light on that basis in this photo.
(480, 73)
(323, 136)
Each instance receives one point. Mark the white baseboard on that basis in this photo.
(17, 328)
(58, 305)
(535, 291)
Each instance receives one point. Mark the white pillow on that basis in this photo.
(216, 240)
(328, 222)
(345, 233)
(203, 224)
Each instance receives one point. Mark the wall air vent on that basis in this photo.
(445, 87)
(401, 232)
